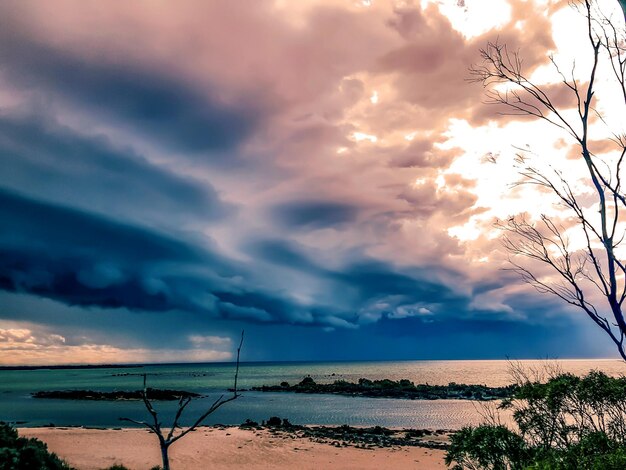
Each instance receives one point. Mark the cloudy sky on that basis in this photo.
(314, 171)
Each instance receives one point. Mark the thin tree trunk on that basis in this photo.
(165, 456)
(155, 427)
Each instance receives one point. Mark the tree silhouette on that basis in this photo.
(166, 440)
(592, 275)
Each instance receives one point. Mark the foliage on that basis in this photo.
(595, 451)
(21, 453)
(487, 447)
(567, 422)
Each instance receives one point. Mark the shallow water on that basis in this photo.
(16, 404)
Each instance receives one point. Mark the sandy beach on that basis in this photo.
(223, 448)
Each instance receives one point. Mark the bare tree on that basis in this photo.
(166, 440)
(590, 275)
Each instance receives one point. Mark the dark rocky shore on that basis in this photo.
(391, 389)
(153, 394)
(363, 438)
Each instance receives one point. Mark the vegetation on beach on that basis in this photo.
(153, 393)
(567, 422)
(21, 453)
(362, 438)
(395, 389)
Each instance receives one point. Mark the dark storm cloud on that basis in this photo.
(80, 258)
(52, 163)
(377, 278)
(285, 253)
(151, 101)
(84, 259)
(314, 214)
(362, 280)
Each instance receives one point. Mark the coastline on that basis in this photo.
(18, 405)
(222, 448)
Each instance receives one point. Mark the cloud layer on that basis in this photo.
(280, 164)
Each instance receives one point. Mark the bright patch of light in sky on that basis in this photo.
(494, 182)
(476, 17)
(440, 181)
(360, 136)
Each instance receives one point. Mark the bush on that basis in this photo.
(274, 421)
(568, 422)
(488, 447)
(594, 452)
(20, 453)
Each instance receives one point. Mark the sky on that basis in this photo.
(318, 173)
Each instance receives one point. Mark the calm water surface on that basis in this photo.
(16, 404)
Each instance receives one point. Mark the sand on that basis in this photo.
(226, 448)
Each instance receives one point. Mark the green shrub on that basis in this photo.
(594, 452)
(20, 453)
(566, 423)
(488, 447)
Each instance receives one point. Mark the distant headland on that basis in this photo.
(395, 389)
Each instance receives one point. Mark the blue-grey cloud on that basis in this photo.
(362, 281)
(86, 259)
(54, 164)
(376, 278)
(285, 253)
(153, 102)
(314, 214)
(80, 258)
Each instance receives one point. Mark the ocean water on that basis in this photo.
(212, 380)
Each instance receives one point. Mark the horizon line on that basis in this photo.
(151, 364)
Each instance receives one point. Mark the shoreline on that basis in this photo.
(226, 447)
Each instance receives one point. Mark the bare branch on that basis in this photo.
(166, 441)
(540, 251)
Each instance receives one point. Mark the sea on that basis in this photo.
(212, 380)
